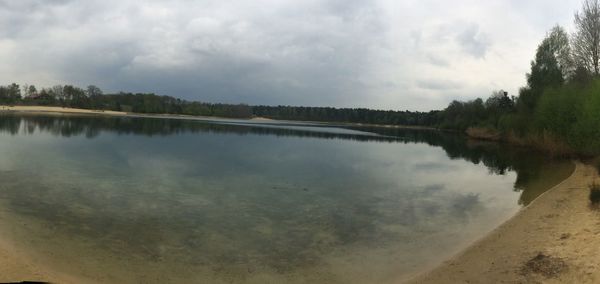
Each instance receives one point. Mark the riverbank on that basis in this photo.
(556, 239)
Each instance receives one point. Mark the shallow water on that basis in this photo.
(156, 200)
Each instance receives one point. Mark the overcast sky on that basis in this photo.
(387, 54)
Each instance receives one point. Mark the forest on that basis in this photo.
(92, 97)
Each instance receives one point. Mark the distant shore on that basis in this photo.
(52, 109)
(66, 110)
(556, 239)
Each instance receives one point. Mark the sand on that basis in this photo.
(556, 239)
(75, 111)
(17, 266)
(52, 109)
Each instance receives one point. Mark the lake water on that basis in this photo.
(148, 200)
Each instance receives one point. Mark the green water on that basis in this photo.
(142, 200)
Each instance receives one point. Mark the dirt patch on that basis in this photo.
(565, 236)
(547, 266)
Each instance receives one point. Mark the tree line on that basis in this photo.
(348, 115)
(93, 98)
(559, 108)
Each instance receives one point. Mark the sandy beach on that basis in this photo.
(556, 239)
(78, 111)
(66, 110)
(52, 109)
(17, 266)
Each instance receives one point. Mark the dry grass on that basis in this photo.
(544, 141)
(484, 133)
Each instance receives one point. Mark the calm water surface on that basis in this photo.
(154, 200)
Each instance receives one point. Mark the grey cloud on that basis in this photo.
(438, 85)
(473, 41)
(437, 61)
(308, 54)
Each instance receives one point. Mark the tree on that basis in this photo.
(32, 91)
(581, 76)
(14, 92)
(25, 91)
(551, 67)
(586, 39)
(558, 45)
(29, 90)
(546, 69)
(93, 91)
(500, 102)
(75, 97)
(59, 94)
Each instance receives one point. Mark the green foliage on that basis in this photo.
(556, 112)
(550, 68)
(476, 113)
(10, 94)
(517, 123)
(571, 113)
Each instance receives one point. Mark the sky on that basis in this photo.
(381, 54)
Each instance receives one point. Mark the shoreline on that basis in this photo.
(52, 109)
(558, 226)
(66, 110)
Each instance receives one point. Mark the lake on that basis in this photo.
(153, 200)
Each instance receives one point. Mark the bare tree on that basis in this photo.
(93, 91)
(558, 43)
(25, 91)
(586, 39)
(29, 90)
(58, 92)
